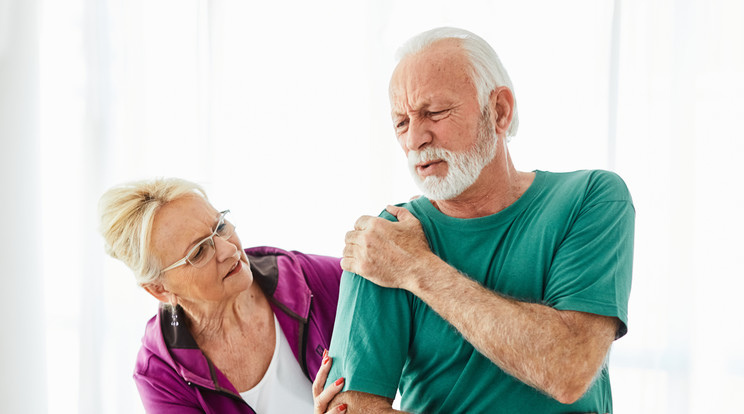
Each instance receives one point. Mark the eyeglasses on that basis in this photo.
(203, 252)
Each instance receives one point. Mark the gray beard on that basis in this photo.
(463, 168)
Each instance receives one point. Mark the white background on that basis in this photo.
(279, 109)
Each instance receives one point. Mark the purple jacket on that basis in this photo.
(174, 376)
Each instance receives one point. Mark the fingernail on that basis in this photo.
(342, 407)
(339, 381)
(325, 353)
(326, 359)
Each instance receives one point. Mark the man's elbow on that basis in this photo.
(569, 397)
(572, 389)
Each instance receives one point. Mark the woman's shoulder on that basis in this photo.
(156, 373)
(151, 354)
(293, 264)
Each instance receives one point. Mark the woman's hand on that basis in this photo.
(321, 397)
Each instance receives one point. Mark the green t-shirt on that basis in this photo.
(566, 243)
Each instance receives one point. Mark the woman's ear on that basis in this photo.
(159, 292)
(502, 108)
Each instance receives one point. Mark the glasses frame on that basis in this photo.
(186, 260)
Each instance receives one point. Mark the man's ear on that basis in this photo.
(502, 108)
(158, 291)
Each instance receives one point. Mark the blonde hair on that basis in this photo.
(127, 212)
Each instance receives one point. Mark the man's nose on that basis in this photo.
(419, 134)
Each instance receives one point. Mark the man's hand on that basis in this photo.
(389, 254)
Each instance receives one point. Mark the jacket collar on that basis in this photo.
(175, 344)
(289, 292)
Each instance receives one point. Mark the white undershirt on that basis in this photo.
(284, 388)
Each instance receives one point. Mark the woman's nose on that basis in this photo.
(224, 249)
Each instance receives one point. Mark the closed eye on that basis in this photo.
(198, 253)
(437, 115)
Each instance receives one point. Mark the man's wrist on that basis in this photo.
(429, 270)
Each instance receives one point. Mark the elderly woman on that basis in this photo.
(238, 331)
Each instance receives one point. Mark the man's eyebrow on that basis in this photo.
(421, 107)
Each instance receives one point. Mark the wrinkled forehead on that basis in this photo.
(441, 53)
(181, 221)
(440, 69)
(188, 207)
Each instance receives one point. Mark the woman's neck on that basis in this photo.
(210, 321)
(238, 336)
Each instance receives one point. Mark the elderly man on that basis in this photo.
(499, 291)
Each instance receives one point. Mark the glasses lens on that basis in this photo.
(226, 230)
(201, 253)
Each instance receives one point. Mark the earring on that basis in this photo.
(174, 315)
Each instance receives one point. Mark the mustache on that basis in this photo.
(428, 154)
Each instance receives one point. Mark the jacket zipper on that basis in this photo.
(303, 342)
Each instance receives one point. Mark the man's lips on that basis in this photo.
(425, 168)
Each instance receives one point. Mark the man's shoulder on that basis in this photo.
(594, 184)
(414, 206)
(582, 175)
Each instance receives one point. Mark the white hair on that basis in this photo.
(487, 71)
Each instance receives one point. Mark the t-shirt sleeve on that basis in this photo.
(591, 271)
(371, 336)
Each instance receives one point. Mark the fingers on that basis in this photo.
(322, 375)
(362, 222)
(367, 222)
(363, 227)
(349, 256)
(351, 244)
(400, 213)
(325, 397)
(353, 253)
(351, 237)
(348, 264)
(341, 408)
(394, 210)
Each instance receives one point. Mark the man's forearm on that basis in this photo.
(557, 352)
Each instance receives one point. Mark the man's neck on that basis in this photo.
(498, 186)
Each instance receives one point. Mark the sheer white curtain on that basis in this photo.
(279, 109)
(22, 338)
(679, 146)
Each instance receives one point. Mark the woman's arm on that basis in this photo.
(158, 398)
